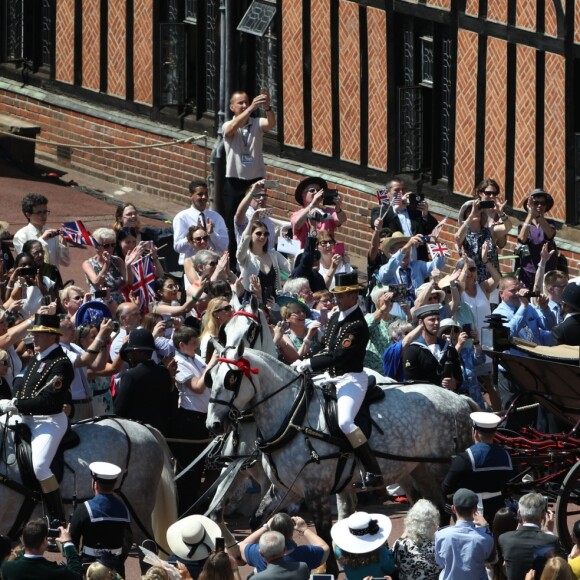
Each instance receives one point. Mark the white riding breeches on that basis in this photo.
(47, 432)
(350, 392)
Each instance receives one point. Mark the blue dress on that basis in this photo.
(385, 566)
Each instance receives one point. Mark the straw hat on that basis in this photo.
(193, 538)
(361, 532)
(396, 238)
(437, 291)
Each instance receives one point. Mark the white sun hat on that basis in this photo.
(361, 532)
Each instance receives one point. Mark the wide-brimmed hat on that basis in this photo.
(346, 282)
(193, 538)
(285, 299)
(321, 183)
(447, 323)
(437, 291)
(540, 193)
(361, 532)
(396, 238)
(46, 323)
(92, 313)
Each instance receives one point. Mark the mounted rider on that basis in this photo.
(345, 344)
(39, 402)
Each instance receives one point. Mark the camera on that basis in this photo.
(317, 215)
(416, 198)
(271, 184)
(53, 531)
(532, 295)
(399, 292)
(28, 272)
(329, 196)
(466, 328)
(116, 326)
(522, 251)
(426, 239)
(486, 204)
(100, 294)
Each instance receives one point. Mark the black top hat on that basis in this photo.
(346, 282)
(46, 323)
(540, 193)
(305, 183)
(571, 294)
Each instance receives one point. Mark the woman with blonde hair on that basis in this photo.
(217, 315)
(98, 571)
(414, 551)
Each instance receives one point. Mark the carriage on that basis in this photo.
(548, 463)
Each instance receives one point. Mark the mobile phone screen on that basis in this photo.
(338, 249)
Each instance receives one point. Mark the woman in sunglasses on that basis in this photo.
(534, 233)
(333, 258)
(255, 259)
(105, 271)
(168, 295)
(218, 313)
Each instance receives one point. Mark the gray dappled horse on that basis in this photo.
(139, 450)
(248, 326)
(418, 422)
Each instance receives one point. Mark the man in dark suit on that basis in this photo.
(33, 564)
(272, 548)
(39, 402)
(145, 392)
(568, 332)
(345, 343)
(403, 213)
(529, 547)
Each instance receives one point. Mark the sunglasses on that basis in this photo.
(201, 239)
(327, 242)
(539, 202)
(260, 196)
(108, 245)
(490, 192)
(76, 298)
(213, 263)
(227, 308)
(262, 234)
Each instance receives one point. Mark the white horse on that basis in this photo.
(139, 450)
(422, 426)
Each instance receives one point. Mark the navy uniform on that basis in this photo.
(40, 399)
(484, 468)
(345, 343)
(101, 526)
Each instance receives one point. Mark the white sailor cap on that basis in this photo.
(103, 471)
(427, 310)
(485, 421)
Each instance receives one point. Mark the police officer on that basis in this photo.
(345, 343)
(40, 399)
(103, 522)
(484, 468)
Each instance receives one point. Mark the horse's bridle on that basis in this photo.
(255, 329)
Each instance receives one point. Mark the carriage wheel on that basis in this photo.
(568, 506)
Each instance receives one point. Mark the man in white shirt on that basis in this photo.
(199, 215)
(34, 208)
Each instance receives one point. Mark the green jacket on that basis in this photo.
(35, 568)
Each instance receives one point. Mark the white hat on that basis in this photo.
(437, 291)
(103, 471)
(485, 421)
(426, 310)
(361, 532)
(447, 323)
(193, 538)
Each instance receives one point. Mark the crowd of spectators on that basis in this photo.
(424, 324)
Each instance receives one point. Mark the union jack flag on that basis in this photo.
(78, 234)
(439, 249)
(143, 284)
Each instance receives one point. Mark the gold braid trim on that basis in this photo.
(21, 394)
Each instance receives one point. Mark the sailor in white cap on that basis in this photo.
(429, 358)
(484, 468)
(101, 526)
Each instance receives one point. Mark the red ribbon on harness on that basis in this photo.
(243, 364)
(247, 314)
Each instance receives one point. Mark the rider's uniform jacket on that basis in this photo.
(103, 523)
(31, 400)
(345, 345)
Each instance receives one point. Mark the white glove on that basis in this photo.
(8, 406)
(302, 365)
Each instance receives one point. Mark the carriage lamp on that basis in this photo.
(496, 336)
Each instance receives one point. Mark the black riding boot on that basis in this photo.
(53, 500)
(362, 449)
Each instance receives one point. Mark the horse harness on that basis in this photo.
(31, 491)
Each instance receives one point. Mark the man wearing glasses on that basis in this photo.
(404, 213)
(34, 208)
(255, 198)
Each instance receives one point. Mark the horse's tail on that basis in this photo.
(165, 511)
